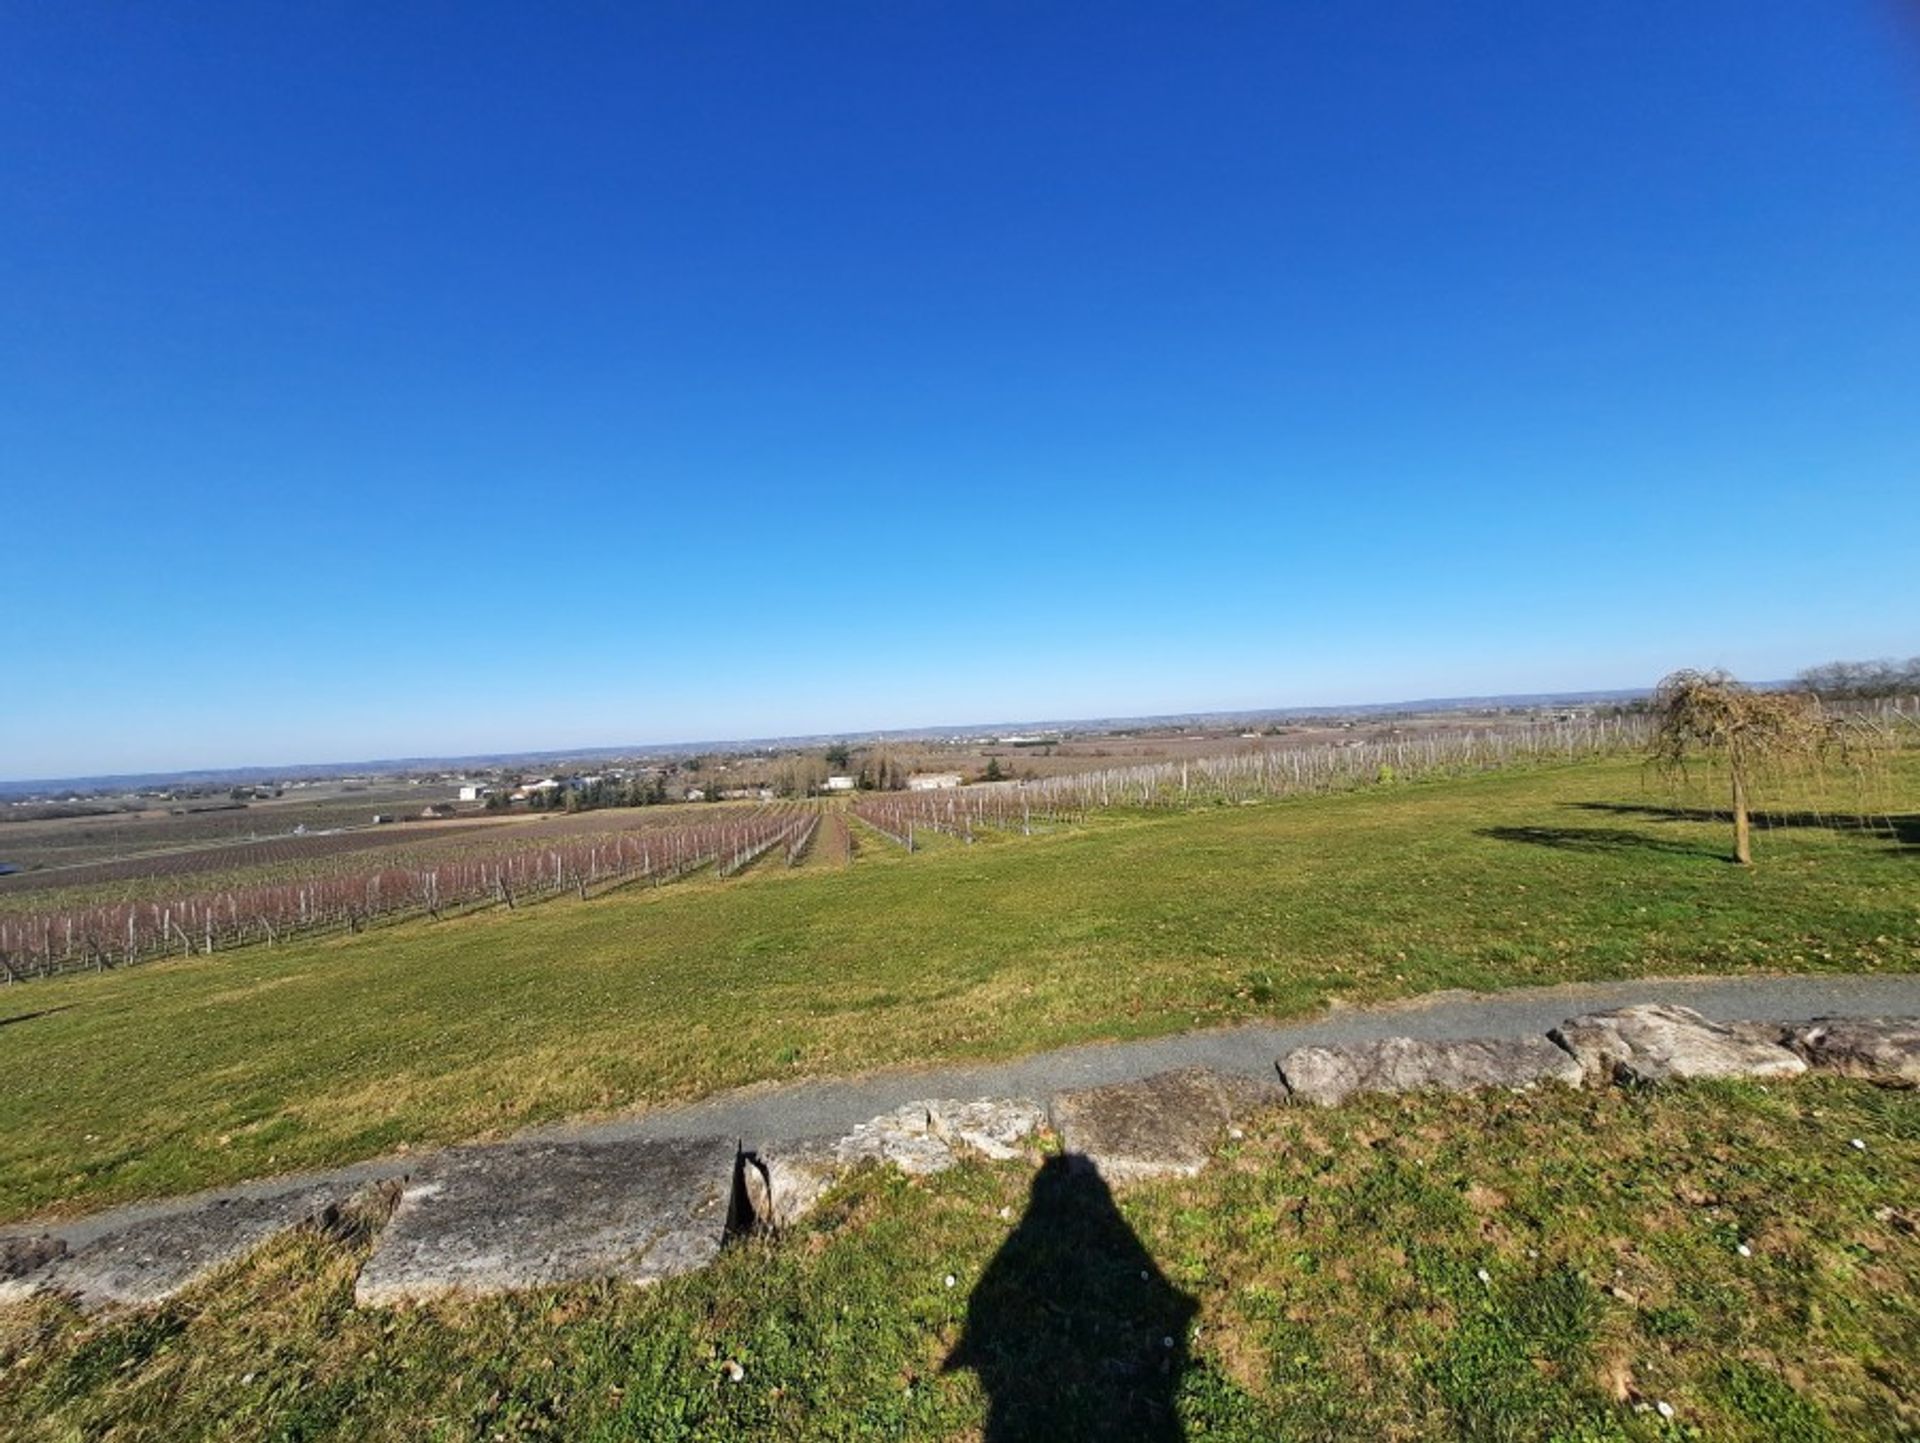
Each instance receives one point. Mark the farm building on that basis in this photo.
(475, 791)
(932, 781)
(437, 809)
(839, 784)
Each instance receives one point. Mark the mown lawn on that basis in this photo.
(1715, 1262)
(185, 1074)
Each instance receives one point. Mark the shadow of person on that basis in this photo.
(1073, 1330)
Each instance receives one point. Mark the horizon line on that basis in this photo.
(854, 734)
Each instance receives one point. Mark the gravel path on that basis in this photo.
(768, 1114)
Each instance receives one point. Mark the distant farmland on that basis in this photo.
(177, 904)
(519, 868)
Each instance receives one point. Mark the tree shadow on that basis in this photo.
(1902, 829)
(1601, 840)
(1074, 1331)
(29, 1016)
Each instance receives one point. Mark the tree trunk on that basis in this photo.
(1742, 851)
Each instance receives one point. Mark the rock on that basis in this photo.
(486, 1220)
(781, 1186)
(1330, 1075)
(150, 1258)
(1657, 1043)
(1879, 1049)
(992, 1128)
(21, 1256)
(1161, 1126)
(927, 1137)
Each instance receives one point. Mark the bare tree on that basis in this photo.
(1760, 736)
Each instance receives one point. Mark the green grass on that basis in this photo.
(179, 1075)
(1531, 1267)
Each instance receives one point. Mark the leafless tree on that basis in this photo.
(1759, 736)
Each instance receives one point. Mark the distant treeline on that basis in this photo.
(592, 796)
(1863, 679)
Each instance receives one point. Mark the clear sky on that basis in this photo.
(384, 380)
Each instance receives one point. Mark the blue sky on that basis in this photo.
(385, 380)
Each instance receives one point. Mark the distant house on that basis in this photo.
(475, 791)
(539, 788)
(839, 784)
(932, 781)
(696, 794)
(437, 809)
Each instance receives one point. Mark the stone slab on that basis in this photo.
(151, 1259)
(1885, 1050)
(22, 1255)
(490, 1219)
(1656, 1042)
(781, 1185)
(928, 1137)
(1328, 1076)
(1161, 1126)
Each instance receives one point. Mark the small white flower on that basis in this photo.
(1857, 1145)
(1663, 1408)
(1483, 1275)
(951, 1280)
(1744, 1251)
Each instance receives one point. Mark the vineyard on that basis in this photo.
(56, 939)
(507, 867)
(1244, 777)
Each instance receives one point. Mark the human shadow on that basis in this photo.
(1600, 840)
(1073, 1330)
(1903, 829)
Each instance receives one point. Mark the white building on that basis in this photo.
(933, 781)
(839, 784)
(475, 791)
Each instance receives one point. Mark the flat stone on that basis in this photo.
(150, 1259)
(781, 1186)
(491, 1219)
(21, 1256)
(1329, 1076)
(1658, 1043)
(928, 1137)
(1161, 1126)
(1885, 1050)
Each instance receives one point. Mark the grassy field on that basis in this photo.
(183, 1074)
(1562, 1265)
